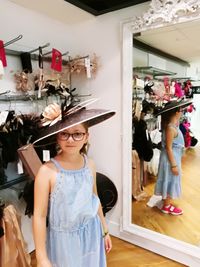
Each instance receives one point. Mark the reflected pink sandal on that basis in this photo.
(170, 209)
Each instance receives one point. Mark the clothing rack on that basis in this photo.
(15, 181)
(48, 53)
(78, 58)
(25, 97)
(12, 41)
(180, 78)
(36, 49)
(5, 92)
(33, 56)
(155, 72)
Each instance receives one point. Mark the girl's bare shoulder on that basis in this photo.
(171, 130)
(47, 168)
(92, 166)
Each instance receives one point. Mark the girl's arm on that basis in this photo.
(170, 135)
(41, 197)
(107, 239)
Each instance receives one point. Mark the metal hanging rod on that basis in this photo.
(12, 41)
(36, 49)
(78, 58)
(48, 53)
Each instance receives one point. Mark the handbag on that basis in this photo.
(30, 159)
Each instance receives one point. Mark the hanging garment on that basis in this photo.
(56, 63)
(137, 192)
(12, 246)
(142, 141)
(41, 75)
(1, 69)
(26, 62)
(3, 54)
(152, 166)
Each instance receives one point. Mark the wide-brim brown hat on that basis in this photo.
(180, 103)
(83, 115)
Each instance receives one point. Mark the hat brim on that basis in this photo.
(91, 116)
(178, 104)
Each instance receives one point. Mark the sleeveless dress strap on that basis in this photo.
(59, 167)
(85, 160)
(175, 127)
(172, 125)
(56, 164)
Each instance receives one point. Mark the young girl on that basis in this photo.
(168, 184)
(66, 193)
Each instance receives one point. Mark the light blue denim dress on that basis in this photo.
(168, 184)
(74, 233)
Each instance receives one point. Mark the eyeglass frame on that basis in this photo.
(71, 135)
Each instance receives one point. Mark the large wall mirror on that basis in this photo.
(164, 42)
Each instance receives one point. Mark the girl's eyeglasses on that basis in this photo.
(75, 136)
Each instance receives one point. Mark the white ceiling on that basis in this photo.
(180, 40)
(56, 9)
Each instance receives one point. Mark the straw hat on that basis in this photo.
(56, 120)
(180, 103)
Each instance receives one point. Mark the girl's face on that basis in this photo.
(73, 139)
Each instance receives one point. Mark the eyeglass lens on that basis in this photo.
(75, 136)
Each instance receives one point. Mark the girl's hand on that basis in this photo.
(108, 243)
(44, 263)
(175, 171)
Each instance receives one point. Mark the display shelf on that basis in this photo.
(6, 96)
(155, 72)
(8, 184)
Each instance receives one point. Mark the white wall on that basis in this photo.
(97, 34)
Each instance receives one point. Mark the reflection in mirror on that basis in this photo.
(166, 63)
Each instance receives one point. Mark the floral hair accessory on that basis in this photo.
(51, 114)
(23, 82)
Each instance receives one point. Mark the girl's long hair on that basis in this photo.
(84, 149)
(166, 117)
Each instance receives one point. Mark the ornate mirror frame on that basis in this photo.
(161, 13)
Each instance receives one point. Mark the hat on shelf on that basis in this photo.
(56, 119)
(173, 104)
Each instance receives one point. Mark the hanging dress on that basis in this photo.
(74, 234)
(13, 249)
(168, 184)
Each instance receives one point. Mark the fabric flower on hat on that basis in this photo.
(23, 82)
(77, 65)
(52, 114)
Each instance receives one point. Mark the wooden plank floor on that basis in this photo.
(185, 227)
(125, 254)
